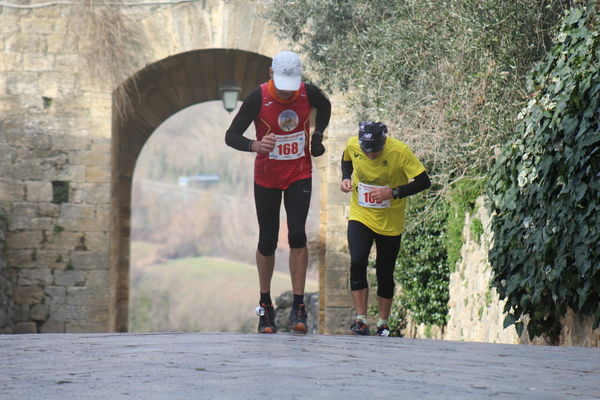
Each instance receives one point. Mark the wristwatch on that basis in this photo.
(395, 192)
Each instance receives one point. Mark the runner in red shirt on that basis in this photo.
(280, 110)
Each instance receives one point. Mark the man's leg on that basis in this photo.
(265, 266)
(268, 203)
(297, 202)
(359, 299)
(387, 252)
(298, 267)
(360, 240)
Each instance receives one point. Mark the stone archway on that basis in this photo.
(157, 92)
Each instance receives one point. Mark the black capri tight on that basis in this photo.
(296, 199)
(360, 241)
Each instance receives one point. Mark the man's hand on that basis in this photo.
(346, 185)
(381, 194)
(265, 145)
(316, 144)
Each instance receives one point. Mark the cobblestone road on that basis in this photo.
(251, 366)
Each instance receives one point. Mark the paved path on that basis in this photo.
(251, 366)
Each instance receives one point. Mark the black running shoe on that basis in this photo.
(298, 319)
(383, 330)
(266, 322)
(359, 328)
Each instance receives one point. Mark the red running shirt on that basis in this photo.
(289, 121)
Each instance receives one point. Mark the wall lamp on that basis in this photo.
(229, 93)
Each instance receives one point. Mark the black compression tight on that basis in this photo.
(360, 241)
(296, 200)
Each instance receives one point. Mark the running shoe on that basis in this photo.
(298, 319)
(383, 330)
(359, 328)
(266, 321)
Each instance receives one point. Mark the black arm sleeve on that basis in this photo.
(420, 183)
(318, 100)
(346, 169)
(249, 109)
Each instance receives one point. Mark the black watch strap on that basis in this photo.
(395, 193)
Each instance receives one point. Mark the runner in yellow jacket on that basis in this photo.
(381, 172)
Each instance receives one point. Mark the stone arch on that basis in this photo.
(157, 92)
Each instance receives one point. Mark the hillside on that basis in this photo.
(202, 294)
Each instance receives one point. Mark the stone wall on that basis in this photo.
(475, 310)
(6, 284)
(58, 107)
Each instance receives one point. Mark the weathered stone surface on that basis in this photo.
(38, 277)
(227, 366)
(86, 260)
(28, 294)
(39, 191)
(25, 327)
(51, 326)
(56, 295)
(69, 278)
(86, 295)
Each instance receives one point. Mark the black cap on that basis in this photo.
(371, 136)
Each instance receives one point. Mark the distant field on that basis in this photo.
(196, 294)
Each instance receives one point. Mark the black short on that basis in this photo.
(360, 241)
(296, 199)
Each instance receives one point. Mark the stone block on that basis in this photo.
(97, 241)
(22, 216)
(10, 62)
(21, 83)
(68, 313)
(38, 25)
(21, 258)
(23, 240)
(69, 278)
(97, 278)
(56, 85)
(86, 327)
(70, 173)
(25, 327)
(90, 158)
(37, 276)
(59, 43)
(52, 326)
(39, 312)
(89, 260)
(37, 62)
(55, 295)
(91, 193)
(338, 320)
(66, 63)
(64, 240)
(49, 210)
(79, 217)
(10, 24)
(97, 174)
(86, 295)
(53, 259)
(25, 43)
(28, 294)
(12, 191)
(39, 191)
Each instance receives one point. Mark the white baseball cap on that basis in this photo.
(287, 70)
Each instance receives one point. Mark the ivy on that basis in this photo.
(422, 265)
(461, 201)
(545, 188)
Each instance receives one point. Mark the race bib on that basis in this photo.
(366, 200)
(288, 147)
